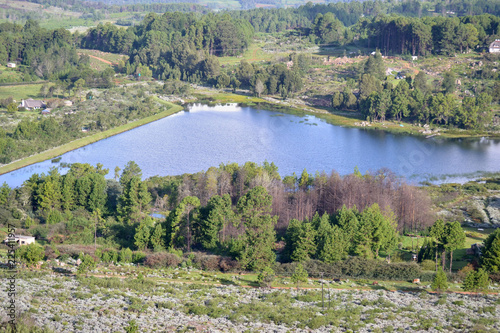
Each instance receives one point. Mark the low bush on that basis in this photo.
(428, 265)
(355, 267)
(138, 257)
(229, 265)
(162, 259)
(74, 250)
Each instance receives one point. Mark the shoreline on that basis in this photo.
(82, 142)
(335, 119)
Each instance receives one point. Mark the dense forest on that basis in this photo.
(212, 210)
(238, 211)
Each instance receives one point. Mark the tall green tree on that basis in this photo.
(158, 238)
(449, 85)
(454, 238)
(214, 220)
(143, 234)
(189, 203)
(300, 240)
(259, 237)
(131, 170)
(476, 281)
(134, 202)
(374, 66)
(332, 245)
(437, 232)
(299, 275)
(440, 282)
(490, 260)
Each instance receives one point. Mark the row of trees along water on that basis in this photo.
(237, 211)
(222, 210)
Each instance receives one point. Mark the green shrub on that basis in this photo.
(31, 254)
(428, 265)
(317, 322)
(132, 327)
(54, 217)
(126, 255)
(440, 282)
(138, 257)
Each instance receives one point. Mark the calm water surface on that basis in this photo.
(205, 136)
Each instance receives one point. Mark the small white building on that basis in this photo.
(21, 239)
(495, 46)
(11, 65)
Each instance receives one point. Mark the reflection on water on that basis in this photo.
(206, 136)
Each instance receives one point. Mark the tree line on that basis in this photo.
(413, 99)
(234, 210)
(174, 45)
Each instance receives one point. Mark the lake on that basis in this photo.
(205, 136)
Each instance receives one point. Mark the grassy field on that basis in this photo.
(52, 153)
(460, 257)
(111, 57)
(21, 91)
(253, 54)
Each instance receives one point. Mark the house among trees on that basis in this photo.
(11, 65)
(31, 104)
(495, 46)
(21, 239)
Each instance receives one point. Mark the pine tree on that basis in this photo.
(215, 217)
(304, 246)
(347, 220)
(299, 275)
(454, 238)
(97, 196)
(331, 244)
(440, 282)
(259, 237)
(130, 171)
(476, 281)
(304, 180)
(142, 234)
(68, 192)
(490, 259)
(4, 193)
(158, 238)
(437, 232)
(189, 203)
(133, 204)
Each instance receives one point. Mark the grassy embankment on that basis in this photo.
(57, 151)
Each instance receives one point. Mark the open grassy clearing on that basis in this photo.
(255, 53)
(111, 57)
(19, 92)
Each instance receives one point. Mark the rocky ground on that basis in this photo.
(70, 304)
(482, 211)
